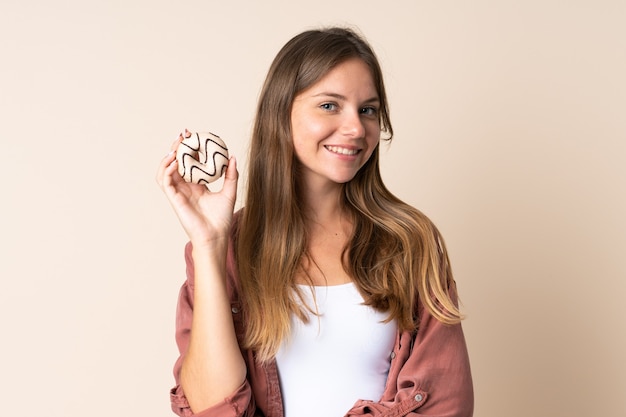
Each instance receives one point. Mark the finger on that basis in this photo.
(165, 162)
(230, 179)
(168, 159)
(169, 176)
(177, 142)
(171, 155)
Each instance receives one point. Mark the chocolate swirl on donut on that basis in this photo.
(202, 158)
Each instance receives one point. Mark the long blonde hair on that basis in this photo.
(395, 255)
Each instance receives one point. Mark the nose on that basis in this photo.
(352, 125)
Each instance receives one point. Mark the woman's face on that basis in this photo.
(335, 124)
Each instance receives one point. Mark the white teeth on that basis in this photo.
(342, 151)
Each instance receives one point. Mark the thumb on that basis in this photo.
(230, 179)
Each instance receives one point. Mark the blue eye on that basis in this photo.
(329, 106)
(369, 111)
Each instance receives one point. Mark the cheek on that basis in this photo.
(309, 131)
(373, 135)
(371, 149)
(373, 128)
(317, 127)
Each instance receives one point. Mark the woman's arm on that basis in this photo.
(212, 367)
(237, 403)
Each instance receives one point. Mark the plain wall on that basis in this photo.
(510, 122)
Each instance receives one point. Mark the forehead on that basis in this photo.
(350, 77)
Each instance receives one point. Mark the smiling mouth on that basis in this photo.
(342, 151)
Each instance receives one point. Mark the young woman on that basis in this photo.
(325, 295)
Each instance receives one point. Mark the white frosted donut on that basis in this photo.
(202, 158)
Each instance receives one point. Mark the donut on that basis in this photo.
(202, 158)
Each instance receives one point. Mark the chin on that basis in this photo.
(344, 179)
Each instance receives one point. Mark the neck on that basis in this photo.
(328, 231)
(324, 206)
(326, 217)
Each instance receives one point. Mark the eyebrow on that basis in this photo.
(374, 99)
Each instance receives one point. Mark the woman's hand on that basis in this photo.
(206, 216)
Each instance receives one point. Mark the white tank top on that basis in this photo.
(337, 358)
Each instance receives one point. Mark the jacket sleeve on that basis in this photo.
(435, 379)
(238, 404)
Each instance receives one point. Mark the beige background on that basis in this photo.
(510, 123)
